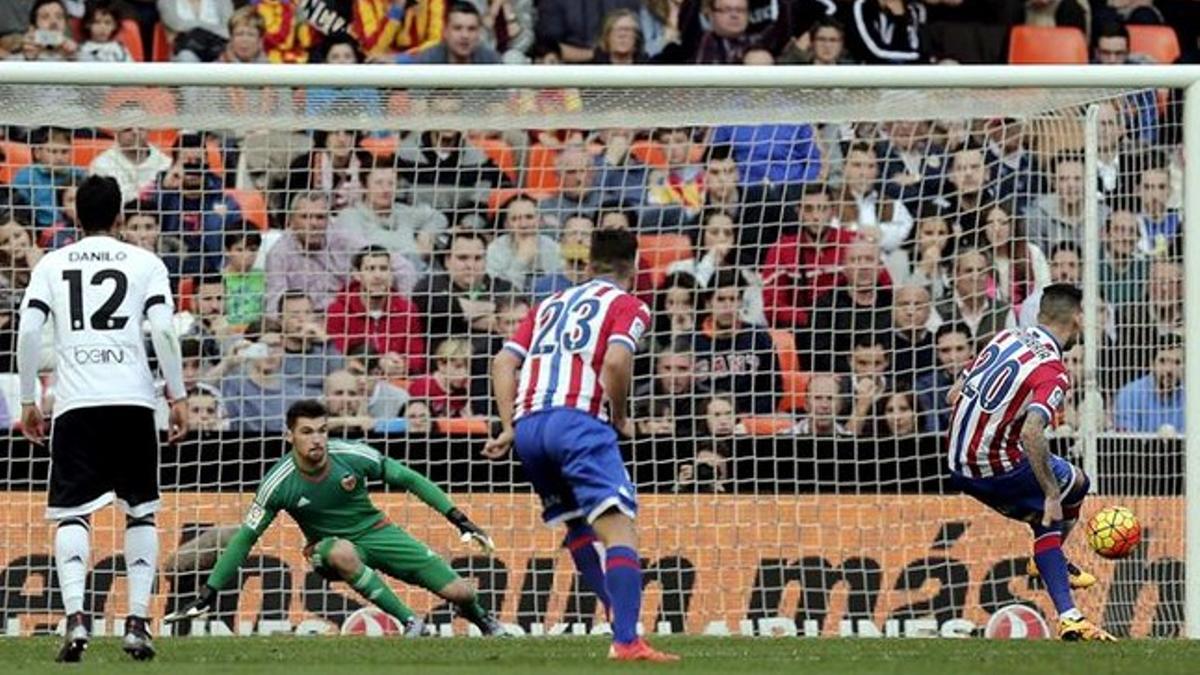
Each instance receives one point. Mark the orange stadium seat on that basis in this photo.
(1158, 42)
(500, 153)
(795, 383)
(766, 426)
(795, 390)
(84, 150)
(187, 287)
(130, 35)
(542, 174)
(380, 147)
(161, 50)
(214, 155)
(650, 153)
(463, 426)
(658, 251)
(253, 206)
(785, 347)
(162, 139)
(14, 157)
(1042, 44)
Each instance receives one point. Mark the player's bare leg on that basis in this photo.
(343, 557)
(463, 595)
(141, 558)
(1072, 502)
(72, 552)
(623, 579)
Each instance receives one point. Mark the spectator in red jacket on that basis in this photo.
(370, 310)
(802, 267)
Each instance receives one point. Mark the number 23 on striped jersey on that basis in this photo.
(569, 329)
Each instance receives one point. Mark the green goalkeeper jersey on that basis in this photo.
(335, 504)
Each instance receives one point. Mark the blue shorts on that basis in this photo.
(1017, 494)
(574, 463)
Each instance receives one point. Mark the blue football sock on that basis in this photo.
(1052, 565)
(581, 542)
(624, 580)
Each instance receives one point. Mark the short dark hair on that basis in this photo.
(726, 278)
(369, 251)
(1065, 246)
(336, 39)
(871, 339)
(827, 22)
(1059, 301)
(42, 3)
(248, 236)
(614, 251)
(794, 194)
(110, 7)
(862, 146)
(453, 236)
(190, 348)
(292, 294)
(147, 208)
(459, 7)
(309, 408)
(42, 135)
(98, 203)
(210, 280)
(718, 152)
(951, 327)
(1111, 29)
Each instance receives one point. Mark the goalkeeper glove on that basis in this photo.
(196, 608)
(470, 531)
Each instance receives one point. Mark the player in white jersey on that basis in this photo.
(1003, 403)
(103, 440)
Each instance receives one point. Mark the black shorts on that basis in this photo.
(101, 453)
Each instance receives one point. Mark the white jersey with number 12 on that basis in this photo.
(96, 292)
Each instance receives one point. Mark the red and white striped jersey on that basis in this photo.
(563, 340)
(1018, 372)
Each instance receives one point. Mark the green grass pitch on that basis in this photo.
(561, 656)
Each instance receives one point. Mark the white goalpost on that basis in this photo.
(761, 512)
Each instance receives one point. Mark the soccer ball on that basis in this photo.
(1114, 532)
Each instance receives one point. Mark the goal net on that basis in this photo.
(820, 265)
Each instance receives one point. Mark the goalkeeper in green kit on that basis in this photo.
(322, 485)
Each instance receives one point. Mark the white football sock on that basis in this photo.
(141, 565)
(72, 555)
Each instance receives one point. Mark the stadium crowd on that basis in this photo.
(819, 280)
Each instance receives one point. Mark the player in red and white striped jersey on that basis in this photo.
(1025, 373)
(575, 356)
(599, 314)
(998, 454)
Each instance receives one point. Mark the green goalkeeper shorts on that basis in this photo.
(392, 551)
